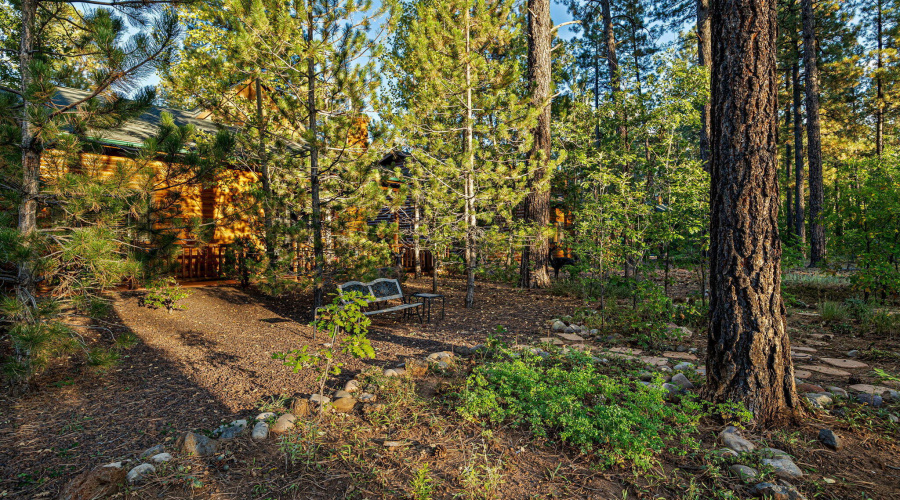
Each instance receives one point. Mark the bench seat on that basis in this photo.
(383, 290)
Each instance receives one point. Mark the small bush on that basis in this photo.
(165, 293)
(833, 311)
(420, 486)
(102, 360)
(858, 309)
(566, 398)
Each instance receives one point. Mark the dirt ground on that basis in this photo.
(212, 363)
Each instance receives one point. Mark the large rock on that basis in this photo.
(869, 399)
(679, 331)
(744, 473)
(558, 326)
(319, 400)
(284, 423)
(809, 388)
(230, 431)
(351, 386)
(777, 492)
(830, 439)
(139, 473)
(100, 482)
(260, 431)
(161, 458)
(785, 468)
(682, 381)
(197, 445)
(153, 450)
(343, 405)
(731, 437)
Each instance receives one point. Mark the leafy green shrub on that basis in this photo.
(833, 311)
(860, 310)
(878, 278)
(343, 315)
(566, 398)
(164, 293)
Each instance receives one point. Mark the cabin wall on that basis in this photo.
(225, 203)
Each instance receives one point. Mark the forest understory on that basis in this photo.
(211, 364)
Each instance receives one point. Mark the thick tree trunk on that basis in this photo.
(318, 246)
(704, 56)
(749, 356)
(612, 60)
(799, 192)
(31, 151)
(813, 139)
(535, 255)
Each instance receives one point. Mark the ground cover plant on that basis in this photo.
(567, 398)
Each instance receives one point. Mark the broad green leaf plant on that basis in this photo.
(347, 328)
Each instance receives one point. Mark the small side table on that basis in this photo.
(428, 299)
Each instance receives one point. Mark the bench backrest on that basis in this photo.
(382, 289)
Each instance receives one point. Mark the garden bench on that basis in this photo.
(383, 290)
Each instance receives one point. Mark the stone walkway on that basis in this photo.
(811, 372)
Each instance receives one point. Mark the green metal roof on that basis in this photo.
(135, 131)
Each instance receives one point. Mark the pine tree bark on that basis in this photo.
(417, 246)
(268, 237)
(31, 151)
(535, 255)
(788, 156)
(469, 179)
(316, 219)
(879, 88)
(799, 192)
(813, 138)
(612, 60)
(704, 56)
(748, 349)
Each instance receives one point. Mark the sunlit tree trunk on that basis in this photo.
(748, 349)
(31, 150)
(469, 188)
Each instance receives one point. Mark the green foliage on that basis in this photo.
(859, 310)
(459, 107)
(833, 312)
(346, 326)
(420, 486)
(616, 419)
(164, 293)
(34, 342)
(101, 359)
(885, 323)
